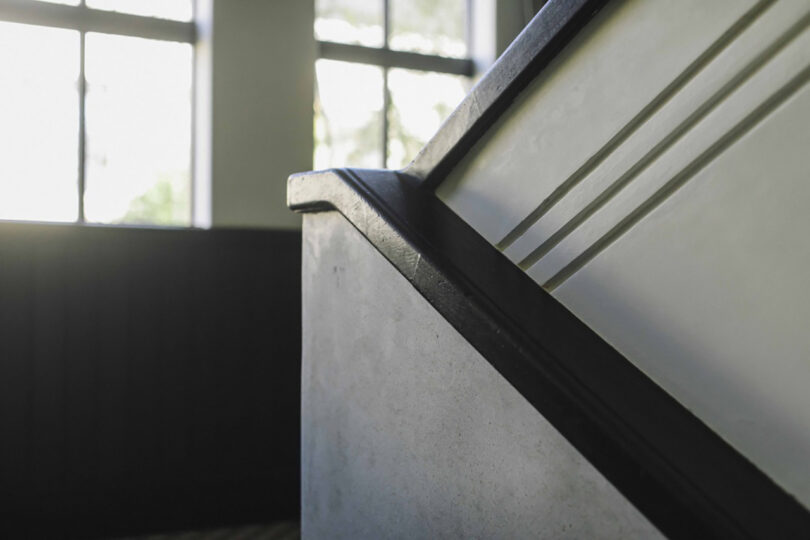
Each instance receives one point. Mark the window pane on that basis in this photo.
(348, 115)
(39, 123)
(350, 21)
(177, 10)
(429, 26)
(420, 102)
(138, 130)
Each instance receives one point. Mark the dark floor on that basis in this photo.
(284, 530)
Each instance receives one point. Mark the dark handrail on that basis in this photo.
(681, 475)
(542, 39)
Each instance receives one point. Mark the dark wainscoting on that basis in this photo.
(149, 379)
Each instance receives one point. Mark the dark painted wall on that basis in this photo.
(149, 379)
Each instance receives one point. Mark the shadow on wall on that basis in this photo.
(149, 379)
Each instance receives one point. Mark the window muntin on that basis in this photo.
(64, 2)
(75, 169)
(176, 10)
(411, 43)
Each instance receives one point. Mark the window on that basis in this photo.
(96, 110)
(389, 73)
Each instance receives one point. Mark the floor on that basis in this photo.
(286, 530)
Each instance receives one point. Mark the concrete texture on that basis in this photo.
(682, 240)
(407, 432)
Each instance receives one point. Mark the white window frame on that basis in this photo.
(85, 19)
(387, 58)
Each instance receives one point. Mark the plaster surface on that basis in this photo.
(684, 244)
(708, 295)
(263, 53)
(610, 72)
(407, 432)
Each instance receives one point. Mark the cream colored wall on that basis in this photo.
(259, 85)
(263, 55)
(655, 180)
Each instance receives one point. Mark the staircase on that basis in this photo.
(581, 311)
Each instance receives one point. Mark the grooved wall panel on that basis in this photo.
(655, 179)
(708, 294)
(149, 379)
(629, 58)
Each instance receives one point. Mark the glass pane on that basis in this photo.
(350, 21)
(39, 123)
(348, 115)
(138, 131)
(429, 26)
(177, 10)
(420, 102)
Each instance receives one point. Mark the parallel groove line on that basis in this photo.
(656, 456)
(385, 57)
(640, 118)
(677, 181)
(539, 42)
(681, 475)
(674, 136)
